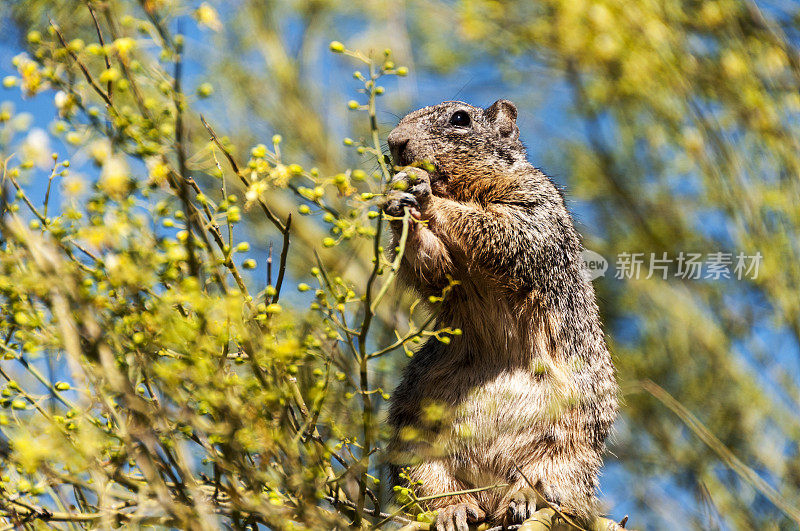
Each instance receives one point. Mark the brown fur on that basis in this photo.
(529, 384)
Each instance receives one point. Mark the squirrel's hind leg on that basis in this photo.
(454, 513)
(568, 485)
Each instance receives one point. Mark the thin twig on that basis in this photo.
(82, 67)
(110, 84)
(368, 310)
(282, 263)
(180, 148)
(403, 340)
(270, 215)
(436, 497)
(395, 265)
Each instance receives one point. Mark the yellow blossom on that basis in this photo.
(207, 16)
(158, 173)
(73, 185)
(124, 45)
(280, 175)
(115, 179)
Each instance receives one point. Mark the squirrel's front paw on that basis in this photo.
(415, 181)
(457, 517)
(397, 201)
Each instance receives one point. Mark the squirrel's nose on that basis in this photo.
(398, 141)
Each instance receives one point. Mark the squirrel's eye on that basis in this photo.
(460, 119)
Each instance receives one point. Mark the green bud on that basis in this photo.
(205, 90)
(259, 152)
(75, 45)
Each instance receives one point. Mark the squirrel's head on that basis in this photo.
(465, 144)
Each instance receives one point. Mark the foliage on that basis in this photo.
(177, 393)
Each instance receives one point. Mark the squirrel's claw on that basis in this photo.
(457, 517)
(522, 505)
(396, 201)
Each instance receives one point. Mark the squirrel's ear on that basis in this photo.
(503, 114)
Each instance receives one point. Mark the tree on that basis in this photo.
(158, 368)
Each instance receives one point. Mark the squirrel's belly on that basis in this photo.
(513, 404)
(509, 422)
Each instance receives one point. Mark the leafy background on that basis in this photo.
(671, 125)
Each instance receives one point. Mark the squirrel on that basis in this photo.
(524, 397)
